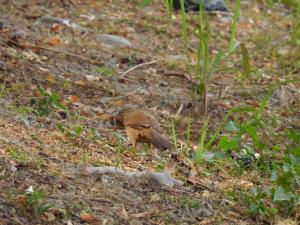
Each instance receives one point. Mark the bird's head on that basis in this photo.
(117, 120)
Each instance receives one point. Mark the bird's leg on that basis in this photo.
(150, 149)
(131, 134)
(133, 144)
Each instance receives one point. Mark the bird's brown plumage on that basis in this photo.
(142, 127)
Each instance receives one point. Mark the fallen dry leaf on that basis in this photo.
(81, 82)
(123, 213)
(3, 152)
(87, 217)
(207, 222)
(44, 70)
(21, 199)
(118, 102)
(54, 40)
(146, 213)
(50, 78)
(49, 217)
(74, 98)
(56, 28)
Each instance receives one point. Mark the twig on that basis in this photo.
(175, 74)
(123, 74)
(128, 94)
(54, 50)
(180, 109)
(65, 53)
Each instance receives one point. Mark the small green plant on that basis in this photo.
(76, 131)
(286, 174)
(85, 159)
(246, 141)
(3, 90)
(73, 132)
(189, 203)
(20, 156)
(119, 148)
(253, 150)
(257, 200)
(105, 71)
(144, 3)
(160, 167)
(205, 67)
(67, 84)
(46, 103)
(199, 156)
(94, 134)
(35, 200)
(22, 111)
(295, 28)
(6, 89)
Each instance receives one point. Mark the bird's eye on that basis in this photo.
(112, 121)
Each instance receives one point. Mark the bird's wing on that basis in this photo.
(139, 119)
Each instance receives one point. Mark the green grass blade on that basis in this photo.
(174, 135)
(202, 50)
(201, 145)
(184, 26)
(236, 15)
(245, 59)
(144, 3)
(265, 101)
(169, 6)
(188, 131)
(215, 63)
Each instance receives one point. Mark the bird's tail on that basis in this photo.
(159, 141)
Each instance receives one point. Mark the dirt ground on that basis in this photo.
(64, 54)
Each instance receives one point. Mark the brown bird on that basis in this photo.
(142, 127)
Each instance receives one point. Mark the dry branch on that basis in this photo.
(158, 179)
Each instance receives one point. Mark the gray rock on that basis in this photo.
(52, 19)
(215, 5)
(18, 34)
(66, 22)
(113, 40)
(209, 5)
(176, 58)
(203, 213)
(3, 24)
(12, 168)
